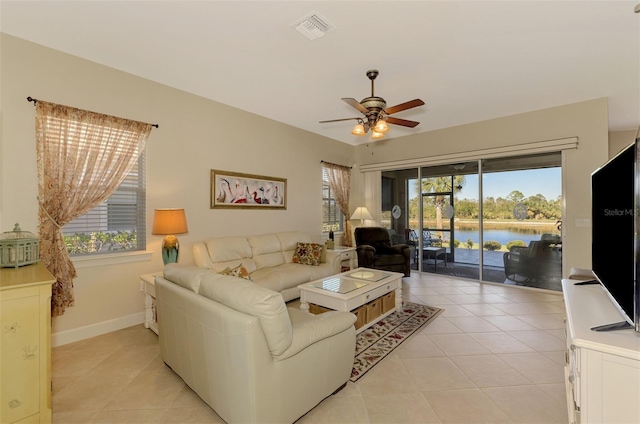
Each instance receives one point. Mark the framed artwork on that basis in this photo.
(235, 190)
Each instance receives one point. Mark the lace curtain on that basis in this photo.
(82, 159)
(340, 182)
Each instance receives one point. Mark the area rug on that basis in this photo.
(379, 340)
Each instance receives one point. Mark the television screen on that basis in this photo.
(613, 249)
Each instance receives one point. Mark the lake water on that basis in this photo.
(502, 236)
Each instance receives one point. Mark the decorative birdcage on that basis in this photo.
(18, 248)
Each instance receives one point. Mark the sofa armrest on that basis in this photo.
(365, 254)
(333, 258)
(366, 248)
(309, 329)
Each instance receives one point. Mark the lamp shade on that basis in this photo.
(376, 135)
(381, 126)
(358, 130)
(361, 213)
(169, 222)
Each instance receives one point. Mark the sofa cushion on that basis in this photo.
(307, 254)
(188, 277)
(284, 276)
(249, 298)
(238, 271)
(289, 241)
(266, 251)
(224, 249)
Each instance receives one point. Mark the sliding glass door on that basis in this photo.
(512, 236)
(521, 215)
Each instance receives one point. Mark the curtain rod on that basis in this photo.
(324, 161)
(31, 99)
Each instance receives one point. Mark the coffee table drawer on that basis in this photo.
(376, 293)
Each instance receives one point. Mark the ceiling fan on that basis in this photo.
(376, 113)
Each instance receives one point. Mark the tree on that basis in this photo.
(516, 196)
(440, 186)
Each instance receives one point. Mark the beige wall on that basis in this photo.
(195, 136)
(620, 139)
(588, 121)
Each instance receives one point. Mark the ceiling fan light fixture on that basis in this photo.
(375, 135)
(358, 129)
(381, 126)
(376, 113)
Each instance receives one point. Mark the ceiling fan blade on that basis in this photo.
(355, 104)
(337, 120)
(403, 122)
(403, 106)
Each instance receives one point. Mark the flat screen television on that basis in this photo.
(615, 242)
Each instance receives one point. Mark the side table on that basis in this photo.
(348, 253)
(431, 254)
(148, 286)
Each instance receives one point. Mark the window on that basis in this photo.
(332, 218)
(116, 225)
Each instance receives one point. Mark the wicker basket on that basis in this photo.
(361, 316)
(317, 309)
(374, 309)
(388, 301)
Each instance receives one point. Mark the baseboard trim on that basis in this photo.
(69, 336)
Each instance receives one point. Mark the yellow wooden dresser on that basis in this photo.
(25, 344)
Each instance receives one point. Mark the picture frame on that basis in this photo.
(236, 190)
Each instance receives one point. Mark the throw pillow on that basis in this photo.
(307, 254)
(238, 271)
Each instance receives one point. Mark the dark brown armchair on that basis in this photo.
(374, 249)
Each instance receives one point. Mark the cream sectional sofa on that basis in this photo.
(267, 257)
(244, 352)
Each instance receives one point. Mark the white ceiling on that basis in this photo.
(468, 60)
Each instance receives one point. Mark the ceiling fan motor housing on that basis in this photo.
(375, 105)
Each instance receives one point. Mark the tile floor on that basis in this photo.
(495, 355)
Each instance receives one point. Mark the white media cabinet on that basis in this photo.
(602, 372)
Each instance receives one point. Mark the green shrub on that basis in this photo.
(516, 243)
(80, 243)
(492, 245)
(469, 244)
(456, 243)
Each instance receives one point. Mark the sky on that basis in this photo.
(547, 181)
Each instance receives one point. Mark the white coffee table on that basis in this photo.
(351, 290)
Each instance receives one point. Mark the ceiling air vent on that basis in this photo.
(313, 26)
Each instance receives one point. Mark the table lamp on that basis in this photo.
(361, 213)
(169, 222)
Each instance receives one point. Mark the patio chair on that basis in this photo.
(429, 240)
(542, 259)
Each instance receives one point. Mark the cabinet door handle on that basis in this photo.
(15, 403)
